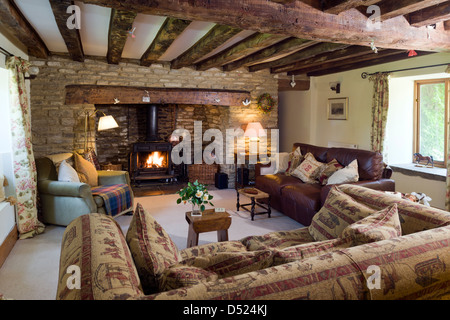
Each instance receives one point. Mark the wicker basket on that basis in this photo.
(204, 173)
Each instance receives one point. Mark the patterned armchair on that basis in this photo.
(108, 192)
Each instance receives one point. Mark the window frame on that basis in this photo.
(416, 137)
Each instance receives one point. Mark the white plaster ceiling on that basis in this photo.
(95, 25)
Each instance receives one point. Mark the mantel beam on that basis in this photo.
(91, 94)
(296, 19)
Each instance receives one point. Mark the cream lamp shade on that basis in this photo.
(254, 130)
(107, 122)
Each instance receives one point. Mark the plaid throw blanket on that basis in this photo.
(117, 197)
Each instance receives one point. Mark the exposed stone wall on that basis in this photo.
(57, 127)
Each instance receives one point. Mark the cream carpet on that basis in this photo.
(31, 270)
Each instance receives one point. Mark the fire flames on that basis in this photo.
(154, 160)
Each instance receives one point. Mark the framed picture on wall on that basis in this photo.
(337, 109)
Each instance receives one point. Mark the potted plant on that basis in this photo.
(196, 194)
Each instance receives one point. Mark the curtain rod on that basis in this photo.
(365, 74)
(6, 52)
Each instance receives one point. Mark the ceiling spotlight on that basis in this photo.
(116, 101)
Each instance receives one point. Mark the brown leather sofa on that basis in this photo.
(301, 201)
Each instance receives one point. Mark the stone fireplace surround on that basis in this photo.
(59, 127)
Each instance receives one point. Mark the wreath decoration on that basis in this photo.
(265, 103)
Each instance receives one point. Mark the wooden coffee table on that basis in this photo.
(208, 221)
(255, 196)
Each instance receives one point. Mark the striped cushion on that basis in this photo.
(152, 249)
(384, 224)
(339, 211)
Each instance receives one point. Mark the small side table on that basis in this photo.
(255, 195)
(208, 221)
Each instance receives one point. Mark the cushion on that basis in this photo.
(59, 157)
(327, 170)
(307, 250)
(67, 173)
(381, 225)
(180, 276)
(309, 169)
(152, 249)
(339, 211)
(283, 162)
(211, 248)
(278, 239)
(294, 160)
(346, 175)
(92, 158)
(86, 171)
(214, 266)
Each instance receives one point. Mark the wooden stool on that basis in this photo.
(208, 221)
(254, 195)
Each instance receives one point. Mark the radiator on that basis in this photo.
(332, 144)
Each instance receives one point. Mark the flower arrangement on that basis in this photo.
(196, 194)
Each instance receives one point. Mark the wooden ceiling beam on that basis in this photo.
(121, 22)
(307, 53)
(243, 48)
(343, 62)
(218, 35)
(391, 9)
(71, 36)
(349, 52)
(338, 6)
(283, 47)
(297, 20)
(13, 21)
(430, 15)
(167, 34)
(351, 65)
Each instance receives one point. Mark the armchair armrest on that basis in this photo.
(68, 189)
(113, 177)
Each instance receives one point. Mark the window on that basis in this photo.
(431, 119)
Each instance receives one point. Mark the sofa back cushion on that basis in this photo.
(381, 225)
(152, 248)
(319, 153)
(370, 164)
(95, 244)
(339, 211)
(414, 217)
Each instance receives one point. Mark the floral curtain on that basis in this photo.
(447, 195)
(380, 106)
(23, 157)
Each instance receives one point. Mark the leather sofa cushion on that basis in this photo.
(370, 164)
(303, 194)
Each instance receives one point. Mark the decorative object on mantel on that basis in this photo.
(265, 103)
(246, 102)
(338, 109)
(292, 83)
(418, 158)
(197, 195)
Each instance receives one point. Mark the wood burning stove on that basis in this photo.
(151, 159)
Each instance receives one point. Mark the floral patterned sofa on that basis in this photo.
(363, 244)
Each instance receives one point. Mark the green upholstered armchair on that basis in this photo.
(61, 202)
